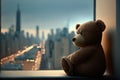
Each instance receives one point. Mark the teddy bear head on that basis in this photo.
(89, 33)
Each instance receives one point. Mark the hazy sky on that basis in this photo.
(46, 13)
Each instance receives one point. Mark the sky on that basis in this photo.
(47, 14)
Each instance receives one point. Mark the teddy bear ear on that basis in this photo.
(101, 24)
(77, 26)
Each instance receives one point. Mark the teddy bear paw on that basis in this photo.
(67, 66)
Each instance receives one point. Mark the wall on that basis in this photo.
(106, 11)
(117, 50)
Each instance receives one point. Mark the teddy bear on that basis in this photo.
(89, 59)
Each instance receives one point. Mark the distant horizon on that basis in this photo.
(46, 14)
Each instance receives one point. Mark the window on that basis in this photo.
(35, 34)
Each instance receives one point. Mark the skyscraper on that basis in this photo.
(37, 31)
(43, 35)
(37, 35)
(18, 19)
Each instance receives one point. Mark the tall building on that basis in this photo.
(37, 31)
(12, 30)
(37, 35)
(43, 36)
(52, 32)
(18, 19)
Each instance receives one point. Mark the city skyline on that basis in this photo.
(44, 14)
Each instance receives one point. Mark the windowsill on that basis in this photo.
(27, 73)
(42, 74)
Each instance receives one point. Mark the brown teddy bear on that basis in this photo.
(89, 60)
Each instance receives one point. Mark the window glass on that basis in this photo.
(36, 34)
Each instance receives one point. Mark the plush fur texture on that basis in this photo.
(89, 60)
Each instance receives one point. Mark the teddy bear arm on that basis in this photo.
(82, 55)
